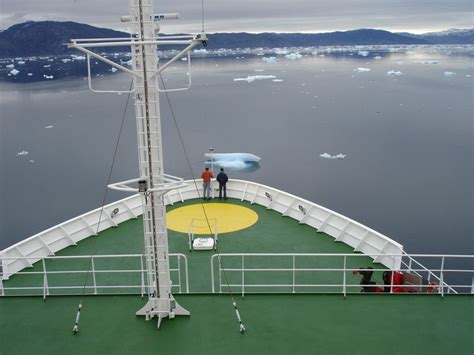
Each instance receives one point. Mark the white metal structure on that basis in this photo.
(152, 181)
(341, 228)
(110, 286)
(242, 265)
(207, 241)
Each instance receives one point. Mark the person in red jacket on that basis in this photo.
(206, 177)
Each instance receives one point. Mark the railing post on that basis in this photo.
(186, 273)
(243, 276)
(409, 264)
(220, 273)
(344, 278)
(93, 275)
(142, 276)
(212, 274)
(294, 262)
(442, 277)
(45, 281)
(179, 272)
(2, 292)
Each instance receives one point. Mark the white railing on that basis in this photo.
(129, 278)
(235, 269)
(343, 229)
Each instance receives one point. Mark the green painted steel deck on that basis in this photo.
(271, 234)
(276, 324)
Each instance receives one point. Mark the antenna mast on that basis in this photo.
(153, 183)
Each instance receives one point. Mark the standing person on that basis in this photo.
(222, 178)
(206, 177)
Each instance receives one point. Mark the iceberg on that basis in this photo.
(233, 161)
(252, 78)
(449, 73)
(293, 56)
(113, 69)
(10, 66)
(14, 72)
(49, 77)
(362, 70)
(270, 60)
(202, 51)
(329, 156)
(363, 53)
(30, 74)
(23, 152)
(277, 80)
(394, 73)
(48, 127)
(21, 62)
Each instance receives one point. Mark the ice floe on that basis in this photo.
(233, 161)
(270, 60)
(377, 57)
(30, 74)
(21, 62)
(329, 156)
(363, 53)
(201, 51)
(14, 72)
(362, 70)
(277, 80)
(281, 51)
(23, 152)
(259, 70)
(66, 60)
(48, 127)
(10, 66)
(47, 66)
(426, 62)
(49, 77)
(113, 69)
(394, 73)
(468, 75)
(449, 73)
(294, 56)
(252, 78)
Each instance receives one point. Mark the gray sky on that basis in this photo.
(257, 15)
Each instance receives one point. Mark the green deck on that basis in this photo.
(276, 324)
(271, 234)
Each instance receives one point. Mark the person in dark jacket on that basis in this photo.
(222, 178)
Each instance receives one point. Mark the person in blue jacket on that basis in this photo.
(222, 178)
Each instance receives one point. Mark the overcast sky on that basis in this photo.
(257, 15)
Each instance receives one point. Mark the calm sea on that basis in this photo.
(407, 137)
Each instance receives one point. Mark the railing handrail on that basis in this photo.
(140, 270)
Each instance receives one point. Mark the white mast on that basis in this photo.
(153, 184)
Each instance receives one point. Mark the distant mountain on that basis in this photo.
(451, 36)
(48, 38)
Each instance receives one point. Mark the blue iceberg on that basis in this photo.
(242, 162)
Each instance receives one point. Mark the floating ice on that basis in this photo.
(78, 57)
(47, 66)
(449, 73)
(233, 161)
(10, 66)
(23, 152)
(277, 80)
(468, 75)
(113, 70)
(31, 161)
(21, 62)
(377, 57)
(293, 56)
(49, 77)
(30, 74)
(202, 51)
(14, 71)
(252, 78)
(66, 60)
(362, 70)
(363, 53)
(184, 59)
(259, 70)
(270, 60)
(329, 156)
(394, 73)
(426, 62)
(47, 127)
(281, 51)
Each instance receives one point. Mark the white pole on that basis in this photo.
(211, 150)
